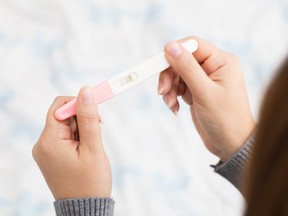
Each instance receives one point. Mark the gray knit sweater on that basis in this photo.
(232, 170)
(84, 207)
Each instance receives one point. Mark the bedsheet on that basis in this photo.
(160, 166)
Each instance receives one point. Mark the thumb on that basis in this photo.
(88, 119)
(185, 65)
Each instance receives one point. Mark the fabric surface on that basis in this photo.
(235, 169)
(160, 166)
(84, 207)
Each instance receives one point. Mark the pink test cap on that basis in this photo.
(102, 92)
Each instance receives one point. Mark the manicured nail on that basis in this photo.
(173, 49)
(175, 111)
(87, 95)
(168, 102)
(160, 87)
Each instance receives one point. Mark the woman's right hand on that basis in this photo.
(70, 153)
(211, 82)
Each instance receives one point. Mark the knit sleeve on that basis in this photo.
(84, 207)
(234, 168)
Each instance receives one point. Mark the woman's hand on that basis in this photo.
(211, 82)
(70, 153)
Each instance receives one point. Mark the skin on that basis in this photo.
(70, 153)
(211, 82)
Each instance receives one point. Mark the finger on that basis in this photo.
(175, 107)
(188, 68)
(174, 92)
(165, 81)
(187, 97)
(53, 127)
(185, 93)
(171, 97)
(74, 128)
(210, 57)
(58, 102)
(181, 87)
(88, 120)
(73, 124)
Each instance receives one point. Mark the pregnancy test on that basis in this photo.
(124, 80)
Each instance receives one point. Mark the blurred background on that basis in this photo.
(160, 166)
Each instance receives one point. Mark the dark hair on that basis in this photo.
(267, 179)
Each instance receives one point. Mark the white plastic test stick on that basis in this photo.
(125, 80)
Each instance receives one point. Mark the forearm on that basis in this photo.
(84, 207)
(236, 167)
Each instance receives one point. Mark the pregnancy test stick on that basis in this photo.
(124, 80)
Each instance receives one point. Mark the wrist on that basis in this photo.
(237, 141)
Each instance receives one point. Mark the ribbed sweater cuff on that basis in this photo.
(84, 207)
(234, 168)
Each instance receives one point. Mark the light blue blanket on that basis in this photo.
(160, 167)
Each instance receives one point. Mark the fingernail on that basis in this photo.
(168, 102)
(160, 87)
(173, 49)
(160, 91)
(175, 111)
(87, 95)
